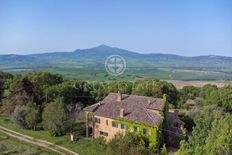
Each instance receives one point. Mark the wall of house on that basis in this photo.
(112, 131)
(103, 127)
(153, 137)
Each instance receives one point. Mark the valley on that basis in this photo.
(88, 64)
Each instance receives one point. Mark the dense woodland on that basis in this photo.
(45, 101)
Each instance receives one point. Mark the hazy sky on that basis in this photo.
(184, 27)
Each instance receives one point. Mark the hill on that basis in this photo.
(89, 63)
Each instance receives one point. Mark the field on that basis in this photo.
(100, 74)
(89, 64)
(9, 145)
(179, 84)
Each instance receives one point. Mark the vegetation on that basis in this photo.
(44, 105)
(32, 116)
(10, 145)
(152, 140)
(87, 65)
(130, 144)
(207, 137)
(54, 117)
(156, 89)
(1, 89)
(82, 146)
(18, 116)
(164, 150)
(221, 97)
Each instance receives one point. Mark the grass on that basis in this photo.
(82, 146)
(14, 146)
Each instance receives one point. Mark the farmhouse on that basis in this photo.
(118, 113)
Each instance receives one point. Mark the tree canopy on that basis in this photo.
(205, 121)
(221, 97)
(54, 117)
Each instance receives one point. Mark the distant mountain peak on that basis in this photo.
(103, 46)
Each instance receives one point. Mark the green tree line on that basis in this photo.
(46, 101)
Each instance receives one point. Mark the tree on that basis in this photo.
(120, 86)
(219, 140)
(12, 83)
(156, 89)
(18, 116)
(80, 94)
(5, 76)
(98, 90)
(32, 116)
(1, 89)
(221, 97)
(44, 79)
(186, 93)
(41, 81)
(26, 116)
(73, 92)
(54, 117)
(22, 93)
(203, 120)
(207, 89)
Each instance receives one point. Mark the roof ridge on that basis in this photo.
(137, 95)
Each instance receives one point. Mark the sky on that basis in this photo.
(183, 27)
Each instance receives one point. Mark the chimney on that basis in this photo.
(119, 98)
(122, 113)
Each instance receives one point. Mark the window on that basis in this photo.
(124, 126)
(114, 124)
(106, 122)
(97, 120)
(135, 129)
(146, 132)
(103, 133)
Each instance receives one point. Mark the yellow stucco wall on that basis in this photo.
(107, 128)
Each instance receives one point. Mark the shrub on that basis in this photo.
(130, 144)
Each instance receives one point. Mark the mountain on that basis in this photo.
(97, 55)
(94, 58)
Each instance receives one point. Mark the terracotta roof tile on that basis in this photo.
(136, 108)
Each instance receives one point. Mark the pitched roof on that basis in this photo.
(136, 108)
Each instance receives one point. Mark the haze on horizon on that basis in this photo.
(188, 28)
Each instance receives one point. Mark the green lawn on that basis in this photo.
(9, 145)
(82, 146)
